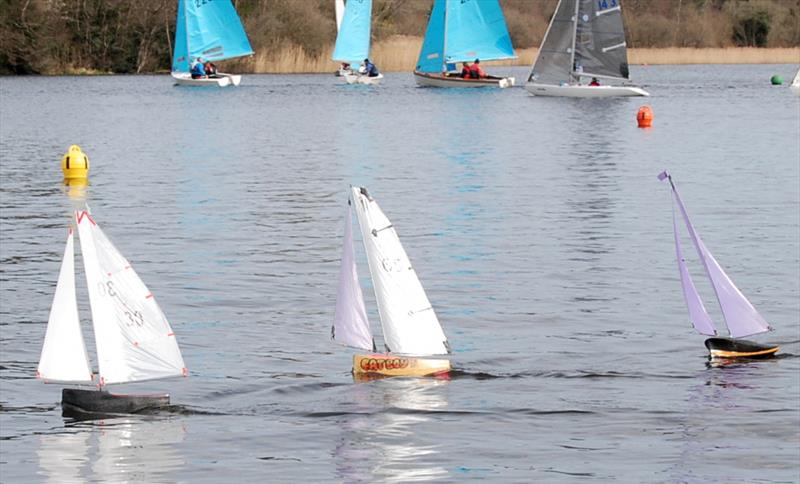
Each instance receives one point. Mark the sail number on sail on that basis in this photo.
(604, 4)
(134, 317)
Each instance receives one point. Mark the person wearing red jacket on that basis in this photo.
(475, 70)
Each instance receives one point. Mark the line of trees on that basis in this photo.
(135, 36)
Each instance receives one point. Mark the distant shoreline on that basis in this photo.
(399, 54)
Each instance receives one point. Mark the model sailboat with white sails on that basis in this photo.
(740, 316)
(134, 339)
(585, 40)
(411, 329)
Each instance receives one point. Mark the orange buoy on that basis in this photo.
(645, 117)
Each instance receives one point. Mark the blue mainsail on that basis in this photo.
(352, 43)
(464, 30)
(210, 29)
(476, 29)
(431, 57)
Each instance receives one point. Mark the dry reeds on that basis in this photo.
(399, 54)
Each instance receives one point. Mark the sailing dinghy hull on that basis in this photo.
(185, 79)
(438, 80)
(101, 401)
(380, 365)
(727, 348)
(355, 78)
(584, 91)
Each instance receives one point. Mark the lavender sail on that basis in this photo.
(697, 311)
(740, 316)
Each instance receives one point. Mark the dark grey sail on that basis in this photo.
(600, 49)
(554, 62)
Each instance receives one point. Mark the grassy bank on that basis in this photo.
(399, 54)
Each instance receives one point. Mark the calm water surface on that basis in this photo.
(536, 225)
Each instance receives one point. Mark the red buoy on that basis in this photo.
(645, 117)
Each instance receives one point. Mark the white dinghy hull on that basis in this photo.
(185, 79)
(436, 80)
(584, 91)
(354, 78)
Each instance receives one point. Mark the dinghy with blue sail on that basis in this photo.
(411, 330)
(207, 32)
(353, 41)
(740, 316)
(134, 339)
(585, 40)
(462, 31)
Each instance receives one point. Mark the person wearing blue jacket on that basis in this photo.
(370, 69)
(198, 71)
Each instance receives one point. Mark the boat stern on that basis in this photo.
(380, 365)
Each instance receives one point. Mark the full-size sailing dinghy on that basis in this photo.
(585, 39)
(462, 31)
(212, 31)
(740, 316)
(353, 42)
(411, 330)
(134, 339)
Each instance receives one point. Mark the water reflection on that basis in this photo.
(385, 437)
(116, 450)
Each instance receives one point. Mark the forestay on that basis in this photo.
(134, 339)
(352, 43)
(409, 323)
(64, 356)
(211, 30)
(350, 323)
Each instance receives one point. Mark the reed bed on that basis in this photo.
(399, 54)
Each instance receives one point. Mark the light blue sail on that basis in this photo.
(352, 43)
(464, 30)
(476, 29)
(210, 29)
(180, 57)
(431, 57)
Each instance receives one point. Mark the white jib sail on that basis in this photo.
(64, 356)
(350, 323)
(134, 339)
(408, 320)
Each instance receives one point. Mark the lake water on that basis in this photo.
(537, 226)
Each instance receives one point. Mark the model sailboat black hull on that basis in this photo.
(732, 348)
(101, 401)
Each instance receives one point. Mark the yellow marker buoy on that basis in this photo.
(75, 164)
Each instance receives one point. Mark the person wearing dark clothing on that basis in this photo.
(210, 68)
(370, 69)
(465, 71)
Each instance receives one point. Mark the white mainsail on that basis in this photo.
(64, 356)
(350, 323)
(134, 339)
(408, 320)
(339, 13)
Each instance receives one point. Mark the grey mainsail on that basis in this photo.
(586, 38)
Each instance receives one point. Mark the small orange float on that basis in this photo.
(645, 117)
